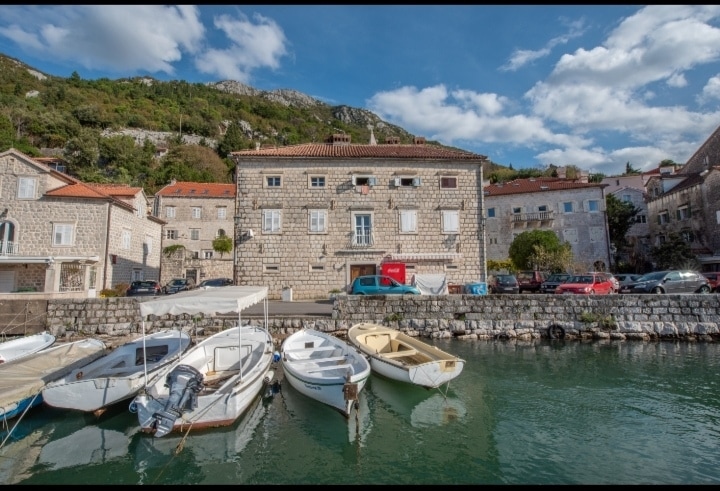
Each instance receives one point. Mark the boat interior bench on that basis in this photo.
(331, 367)
(310, 361)
(400, 354)
(319, 349)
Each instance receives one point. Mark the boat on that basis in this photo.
(325, 368)
(399, 356)
(214, 382)
(22, 380)
(18, 347)
(117, 376)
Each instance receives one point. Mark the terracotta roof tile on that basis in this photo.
(402, 151)
(535, 185)
(198, 190)
(116, 189)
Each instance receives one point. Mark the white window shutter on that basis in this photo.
(416, 181)
(372, 181)
(397, 182)
(354, 181)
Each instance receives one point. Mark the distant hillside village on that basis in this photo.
(308, 218)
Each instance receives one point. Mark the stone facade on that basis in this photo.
(59, 235)
(196, 213)
(574, 210)
(310, 218)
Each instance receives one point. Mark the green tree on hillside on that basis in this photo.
(540, 249)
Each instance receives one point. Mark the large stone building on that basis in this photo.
(574, 209)
(66, 238)
(196, 213)
(312, 217)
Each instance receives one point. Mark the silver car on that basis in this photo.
(671, 281)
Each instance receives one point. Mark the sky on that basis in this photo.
(592, 86)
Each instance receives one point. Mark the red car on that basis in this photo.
(587, 284)
(713, 280)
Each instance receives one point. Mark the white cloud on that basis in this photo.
(253, 45)
(522, 57)
(711, 89)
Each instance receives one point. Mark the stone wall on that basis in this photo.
(528, 316)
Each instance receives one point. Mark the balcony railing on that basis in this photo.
(360, 241)
(9, 248)
(538, 216)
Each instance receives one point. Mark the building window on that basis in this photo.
(542, 208)
(450, 221)
(126, 239)
(137, 274)
(272, 268)
(63, 234)
(196, 212)
(169, 212)
(660, 239)
(222, 213)
(317, 268)
(641, 218)
(490, 213)
(448, 183)
(363, 230)
(148, 245)
(195, 254)
(408, 221)
(318, 221)
(273, 181)
(317, 182)
(194, 234)
(26, 187)
(517, 210)
(171, 234)
(627, 198)
(663, 217)
(593, 206)
(567, 207)
(364, 181)
(683, 213)
(220, 233)
(687, 236)
(271, 221)
(407, 182)
(207, 254)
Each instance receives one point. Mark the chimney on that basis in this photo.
(561, 172)
(339, 139)
(392, 140)
(419, 140)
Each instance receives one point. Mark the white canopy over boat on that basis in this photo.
(222, 300)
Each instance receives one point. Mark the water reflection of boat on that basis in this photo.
(89, 445)
(213, 446)
(422, 407)
(324, 422)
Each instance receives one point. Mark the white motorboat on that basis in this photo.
(215, 382)
(119, 375)
(398, 356)
(325, 368)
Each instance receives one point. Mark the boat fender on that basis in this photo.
(556, 331)
(79, 375)
(269, 376)
(133, 407)
(276, 357)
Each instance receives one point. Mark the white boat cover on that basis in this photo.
(26, 377)
(213, 301)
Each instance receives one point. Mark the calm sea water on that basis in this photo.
(543, 412)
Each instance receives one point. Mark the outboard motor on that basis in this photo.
(185, 383)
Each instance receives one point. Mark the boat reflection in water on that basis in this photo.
(89, 445)
(422, 407)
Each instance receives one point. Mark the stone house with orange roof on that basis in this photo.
(62, 238)
(311, 217)
(574, 209)
(196, 213)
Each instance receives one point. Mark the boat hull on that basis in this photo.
(18, 348)
(215, 405)
(325, 368)
(401, 357)
(119, 375)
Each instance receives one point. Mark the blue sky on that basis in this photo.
(528, 86)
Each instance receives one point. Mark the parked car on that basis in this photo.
(615, 282)
(714, 280)
(144, 287)
(552, 282)
(178, 285)
(587, 284)
(670, 281)
(625, 278)
(380, 285)
(504, 283)
(530, 281)
(215, 283)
